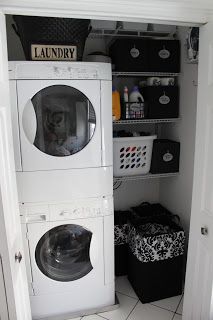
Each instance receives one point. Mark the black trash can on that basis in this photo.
(121, 231)
(155, 257)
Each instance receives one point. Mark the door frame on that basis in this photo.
(152, 11)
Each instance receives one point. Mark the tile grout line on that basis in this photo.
(101, 316)
(164, 308)
(124, 294)
(178, 306)
(132, 309)
(173, 316)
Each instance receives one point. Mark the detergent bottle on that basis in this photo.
(116, 105)
(135, 95)
(136, 105)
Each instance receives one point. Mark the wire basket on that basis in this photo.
(49, 30)
(132, 155)
(134, 110)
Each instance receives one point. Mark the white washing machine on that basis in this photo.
(70, 256)
(62, 129)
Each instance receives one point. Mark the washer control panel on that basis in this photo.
(77, 209)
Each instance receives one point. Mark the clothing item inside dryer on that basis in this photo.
(62, 253)
(65, 120)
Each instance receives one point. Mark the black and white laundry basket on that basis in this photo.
(121, 231)
(155, 256)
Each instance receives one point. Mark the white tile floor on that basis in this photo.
(132, 309)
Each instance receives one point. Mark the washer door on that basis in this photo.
(62, 254)
(59, 124)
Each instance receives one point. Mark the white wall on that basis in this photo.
(176, 192)
(132, 193)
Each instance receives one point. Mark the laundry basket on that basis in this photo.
(121, 230)
(132, 155)
(155, 258)
(51, 30)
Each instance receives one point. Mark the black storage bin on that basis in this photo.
(165, 156)
(129, 55)
(162, 101)
(146, 212)
(164, 56)
(49, 30)
(155, 259)
(154, 281)
(121, 231)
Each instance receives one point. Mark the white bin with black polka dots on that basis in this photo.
(132, 155)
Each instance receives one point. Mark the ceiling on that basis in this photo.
(172, 11)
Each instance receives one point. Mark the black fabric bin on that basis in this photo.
(162, 101)
(164, 56)
(165, 156)
(50, 30)
(121, 230)
(129, 55)
(154, 281)
(146, 212)
(155, 258)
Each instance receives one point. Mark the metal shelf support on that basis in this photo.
(141, 121)
(147, 176)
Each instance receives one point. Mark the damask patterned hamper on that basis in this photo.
(121, 231)
(155, 258)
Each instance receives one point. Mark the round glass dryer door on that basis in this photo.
(64, 120)
(63, 253)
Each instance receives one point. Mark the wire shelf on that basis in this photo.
(139, 121)
(144, 74)
(146, 176)
(129, 33)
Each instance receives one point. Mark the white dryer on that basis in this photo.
(64, 114)
(62, 129)
(69, 249)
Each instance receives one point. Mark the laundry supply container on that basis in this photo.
(121, 231)
(162, 101)
(164, 56)
(129, 54)
(155, 257)
(132, 155)
(165, 156)
(51, 31)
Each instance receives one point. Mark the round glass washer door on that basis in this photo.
(64, 121)
(62, 253)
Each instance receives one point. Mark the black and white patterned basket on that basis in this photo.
(156, 247)
(121, 234)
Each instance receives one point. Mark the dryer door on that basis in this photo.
(59, 124)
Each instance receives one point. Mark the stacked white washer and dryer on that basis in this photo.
(62, 129)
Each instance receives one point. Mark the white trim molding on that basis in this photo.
(180, 12)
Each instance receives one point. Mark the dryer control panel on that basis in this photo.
(59, 70)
